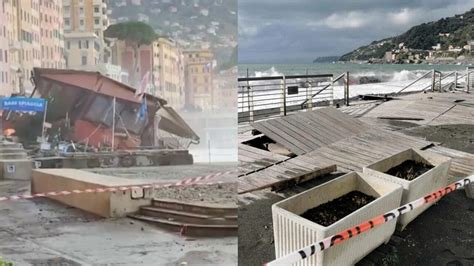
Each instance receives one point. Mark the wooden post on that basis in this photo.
(113, 123)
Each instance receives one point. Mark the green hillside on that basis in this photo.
(190, 22)
(423, 37)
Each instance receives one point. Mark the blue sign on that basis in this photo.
(23, 104)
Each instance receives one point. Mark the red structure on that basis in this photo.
(80, 108)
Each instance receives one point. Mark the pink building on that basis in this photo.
(145, 63)
(5, 84)
(51, 31)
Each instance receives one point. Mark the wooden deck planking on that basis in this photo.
(305, 125)
(252, 159)
(302, 135)
(267, 178)
(325, 134)
(433, 108)
(462, 163)
(352, 144)
(281, 137)
(306, 131)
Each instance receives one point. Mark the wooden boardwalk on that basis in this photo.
(306, 131)
(326, 137)
(430, 108)
(292, 170)
(462, 163)
(354, 153)
(253, 159)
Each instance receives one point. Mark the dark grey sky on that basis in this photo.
(297, 31)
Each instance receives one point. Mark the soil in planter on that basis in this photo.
(409, 169)
(336, 209)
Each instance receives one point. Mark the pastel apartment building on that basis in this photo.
(34, 33)
(162, 62)
(51, 34)
(199, 83)
(5, 84)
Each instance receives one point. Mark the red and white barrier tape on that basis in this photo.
(328, 242)
(185, 182)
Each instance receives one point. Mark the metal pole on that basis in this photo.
(284, 95)
(113, 124)
(209, 149)
(455, 80)
(440, 85)
(249, 98)
(44, 120)
(433, 80)
(346, 89)
(467, 80)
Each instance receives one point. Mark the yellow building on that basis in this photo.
(199, 84)
(83, 19)
(168, 72)
(82, 50)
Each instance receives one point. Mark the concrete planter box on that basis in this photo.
(292, 232)
(434, 179)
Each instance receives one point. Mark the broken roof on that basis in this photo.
(93, 81)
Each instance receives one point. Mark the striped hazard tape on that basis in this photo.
(185, 182)
(330, 241)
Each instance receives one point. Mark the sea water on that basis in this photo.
(384, 78)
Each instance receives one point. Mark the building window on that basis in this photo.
(6, 57)
(1, 55)
(80, 44)
(96, 9)
(86, 44)
(81, 10)
(81, 22)
(68, 45)
(66, 21)
(84, 60)
(96, 21)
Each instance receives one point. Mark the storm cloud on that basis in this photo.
(277, 31)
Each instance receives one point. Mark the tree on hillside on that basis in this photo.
(135, 34)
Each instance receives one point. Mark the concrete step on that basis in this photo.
(187, 217)
(11, 150)
(215, 210)
(18, 169)
(190, 229)
(11, 145)
(15, 155)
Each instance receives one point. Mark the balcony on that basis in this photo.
(98, 26)
(14, 46)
